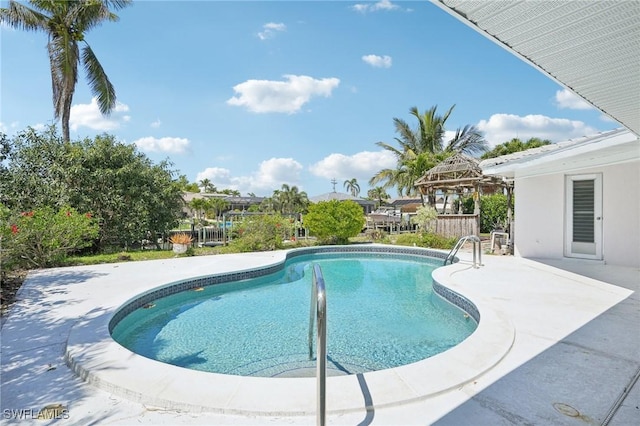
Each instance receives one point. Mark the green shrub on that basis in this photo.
(334, 222)
(43, 238)
(428, 240)
(261, 233)
(425, 218)
(493, 211)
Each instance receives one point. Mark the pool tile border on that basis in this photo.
(208, 280)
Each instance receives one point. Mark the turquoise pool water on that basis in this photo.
(381, 313)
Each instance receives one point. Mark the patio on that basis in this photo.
(576, 347)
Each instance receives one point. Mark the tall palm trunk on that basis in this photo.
(66, 118)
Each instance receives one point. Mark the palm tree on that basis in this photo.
(198, 205)
(218, 205)
(290, 199)
(231, 192)
(66, 22)
(352, 186)
(269, 204)
(207, 186)
(423, 148)
(379, 194)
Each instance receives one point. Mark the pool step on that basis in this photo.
(309, 372)
(296, 365)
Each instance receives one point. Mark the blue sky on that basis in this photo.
(253, 95)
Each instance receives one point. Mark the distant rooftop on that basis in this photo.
(340, 196)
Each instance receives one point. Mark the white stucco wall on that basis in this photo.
(621, 214)
(540, 210)
(539, 216)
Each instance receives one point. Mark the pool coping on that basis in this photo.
(95, 357)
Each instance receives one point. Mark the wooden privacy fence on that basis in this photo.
(458, 225)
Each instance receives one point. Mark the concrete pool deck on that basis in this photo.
(576, 347)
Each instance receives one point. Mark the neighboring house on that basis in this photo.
(188, 197)
(233, 202)
(243, 203)
(576, 199)
(367, 205)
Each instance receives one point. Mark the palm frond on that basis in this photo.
(22, 17)
(468, 140)
(90, 14)
(388, 147)
(98, 81)
(407, 137)
(118, 4)
(385, 177)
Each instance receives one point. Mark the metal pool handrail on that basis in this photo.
(459, 244)
(319, 310)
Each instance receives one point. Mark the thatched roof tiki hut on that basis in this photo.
(459, 175)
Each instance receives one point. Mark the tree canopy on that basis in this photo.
(514, 145)
(286, 200)
(125, 192)
(378, 194)
(335, 221)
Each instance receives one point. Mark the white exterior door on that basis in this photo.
(583, 223)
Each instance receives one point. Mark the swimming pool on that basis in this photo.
(98, 359)
(382, 314)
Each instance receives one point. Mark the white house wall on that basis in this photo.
(621, 214)
(539, 216)
(540, 213)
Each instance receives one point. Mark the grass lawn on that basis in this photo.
(125, 256)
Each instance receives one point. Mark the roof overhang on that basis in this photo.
(590, 47)
(615, 147)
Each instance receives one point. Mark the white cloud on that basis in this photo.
(362, 165)
(219, 176)
(89, 115)
(269, 30)
(271, 174)
(565, 98)
(13, 127)
(378, 61)
(501, 128)
(171, 145)
(374, 7)
(281, 96)
(156, 124)
(274, 172)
